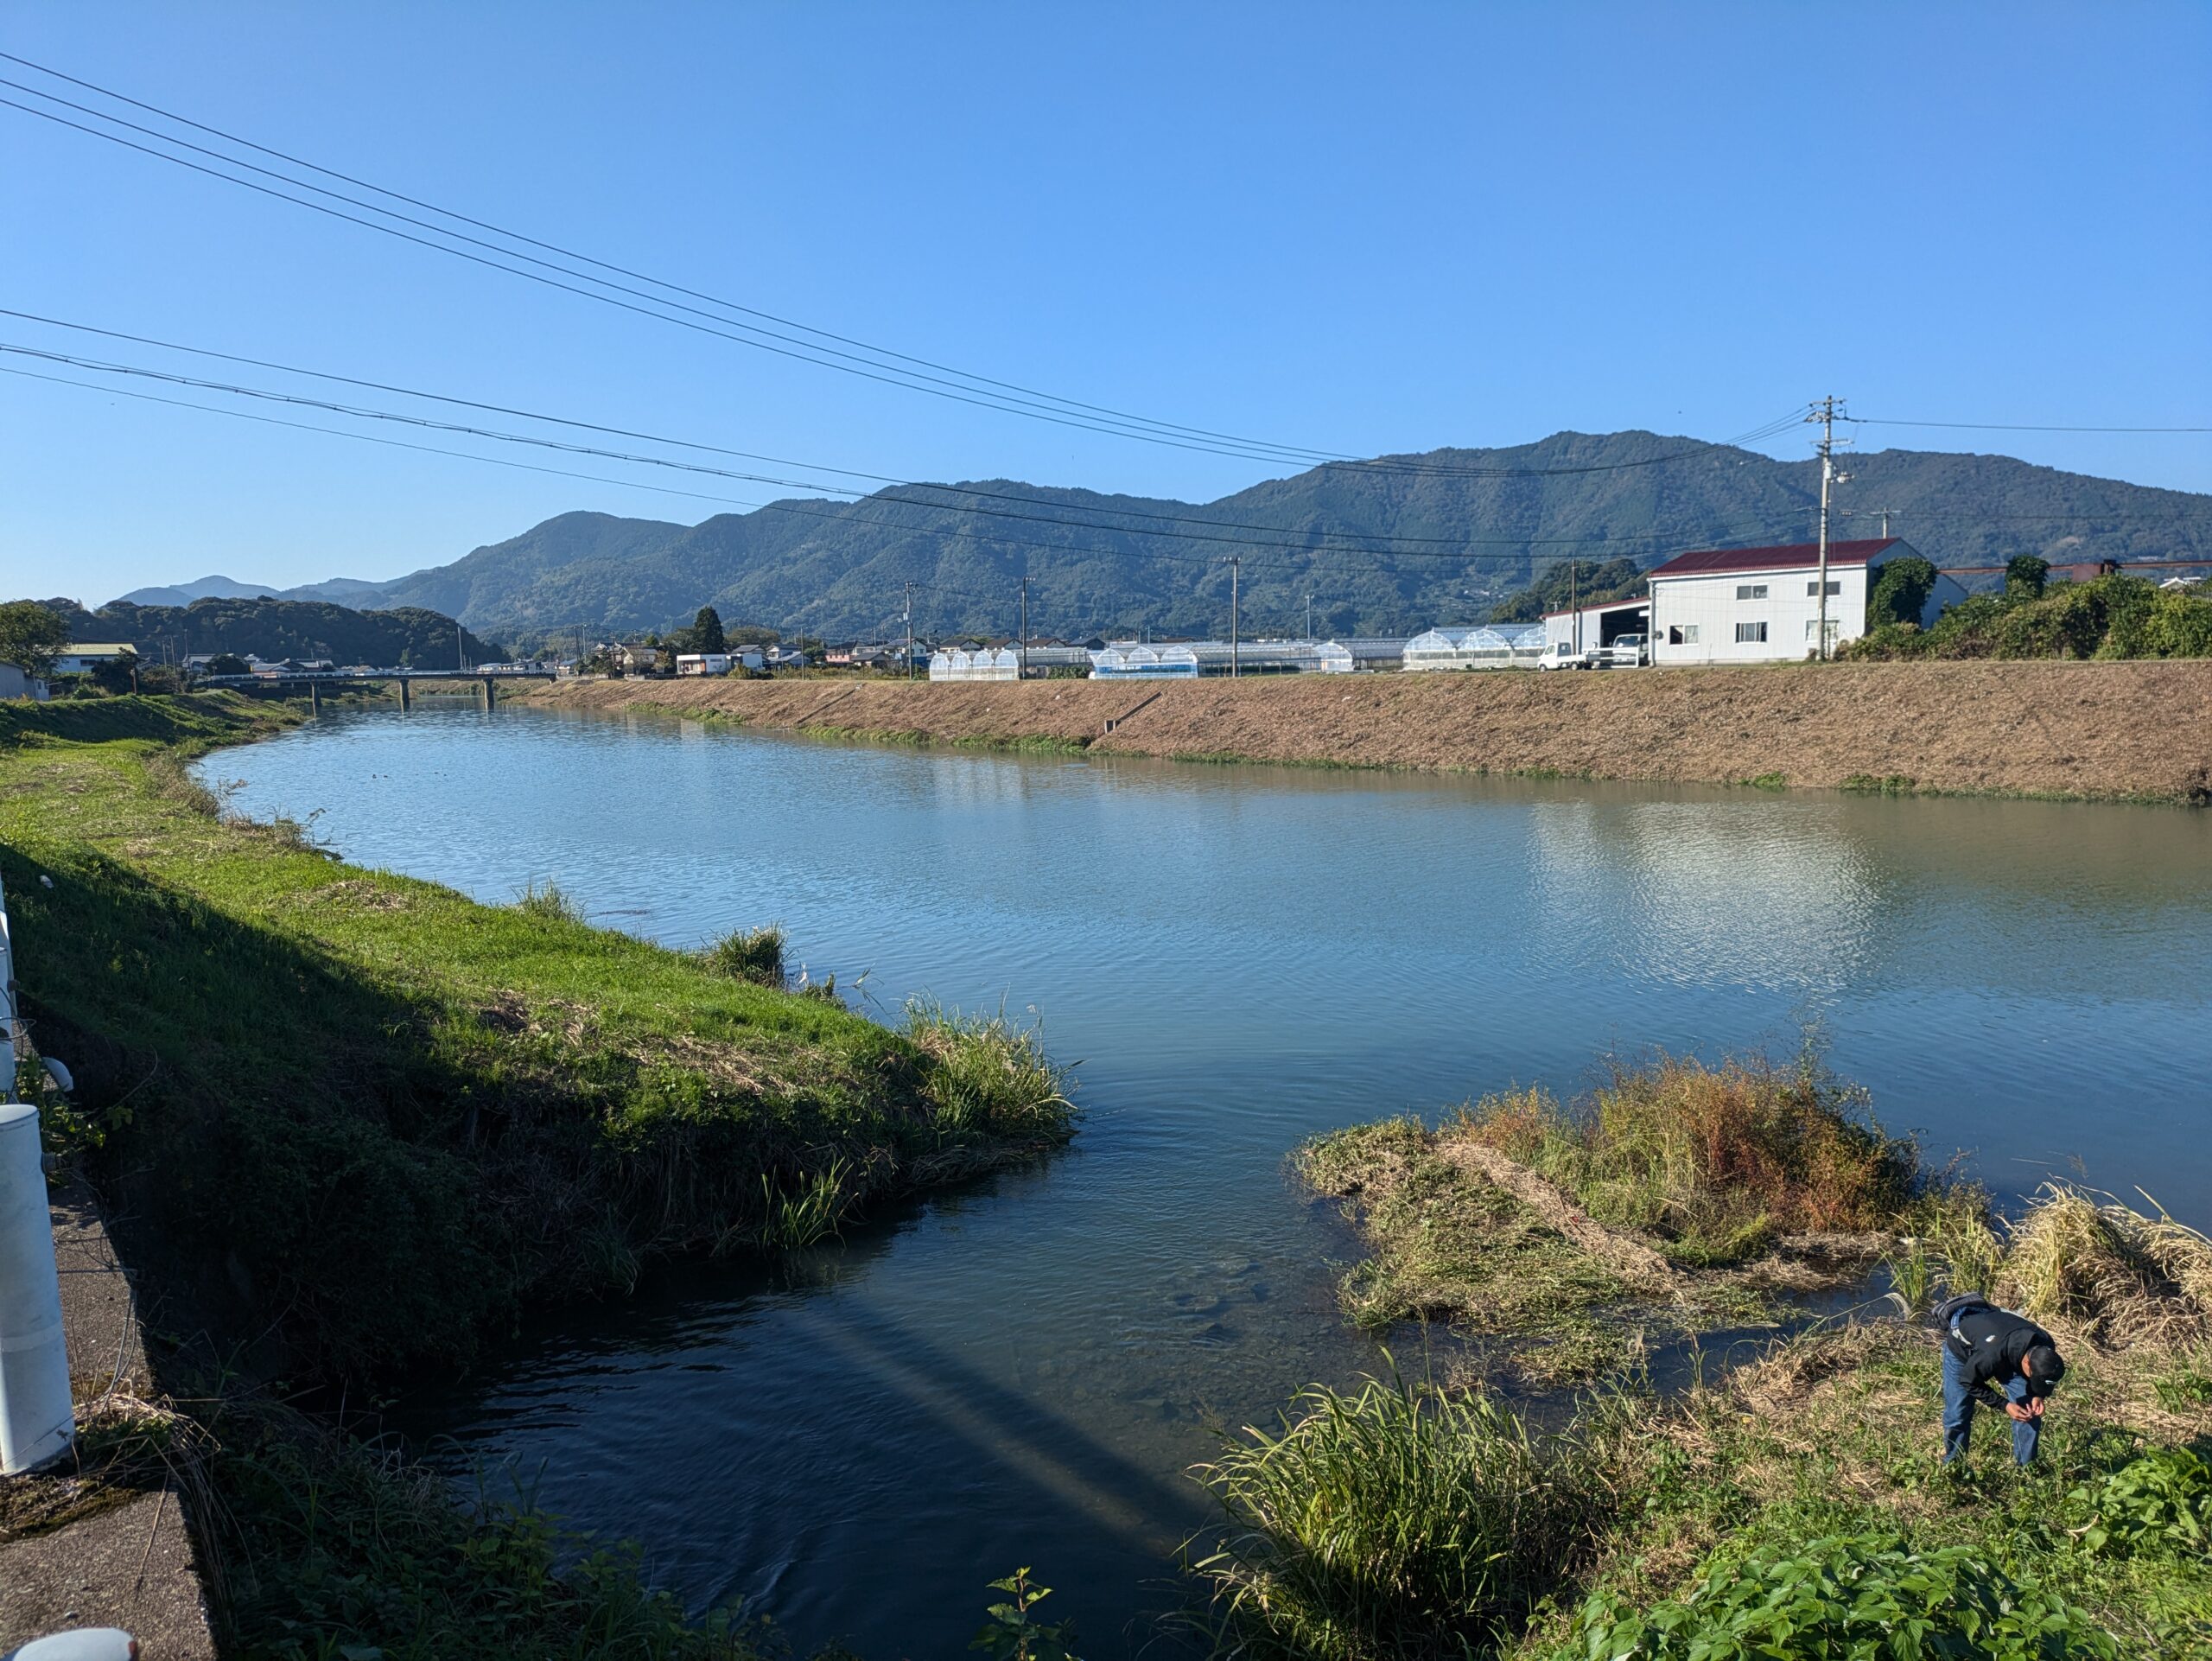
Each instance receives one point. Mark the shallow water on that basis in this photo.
(860, 1437)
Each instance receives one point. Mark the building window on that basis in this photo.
(1749, 633)
(1682, 634)
(1835, 586)
(1812, 624)
(1751, 591)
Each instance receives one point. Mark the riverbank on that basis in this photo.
(1792, 1505)
(2092, 731)
(355, 1123)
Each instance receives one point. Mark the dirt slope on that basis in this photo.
(2096, 730)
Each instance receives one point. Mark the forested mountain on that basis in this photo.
(1387, 547)
(408, 636)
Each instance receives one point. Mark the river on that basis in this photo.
(856, 1437)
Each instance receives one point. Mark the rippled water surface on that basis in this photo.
(1020, 1373)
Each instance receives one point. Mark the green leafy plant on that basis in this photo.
(1012, 1631)
(1846, 1595)
(2158, 1503)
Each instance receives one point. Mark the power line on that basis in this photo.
(622, 432)
(2012, 426)
(1251, 535)
(1099, 419)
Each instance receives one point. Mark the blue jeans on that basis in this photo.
(1958, 1413)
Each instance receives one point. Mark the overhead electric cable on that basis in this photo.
(2012, 426)
(1093, 417)
(365, 412)
(683, 443)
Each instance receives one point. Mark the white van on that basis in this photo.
(1629, 651)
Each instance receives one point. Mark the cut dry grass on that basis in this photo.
(2122, 1278)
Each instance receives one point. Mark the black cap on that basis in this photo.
(2045, 1368)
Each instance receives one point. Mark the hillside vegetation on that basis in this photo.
(2115, 616)
(837, 569)
(281, 629)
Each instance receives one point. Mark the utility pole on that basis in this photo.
(459, 652)
(1025, 628)
(1236, 665)
(1309, 619)
(1573, 607)
(909, 631)
(1824, 414)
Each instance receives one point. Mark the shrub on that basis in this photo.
(1847, 1595)
(1394, 1522)
(1900, 592)
(755, 955)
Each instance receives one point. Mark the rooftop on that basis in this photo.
(1796, 556)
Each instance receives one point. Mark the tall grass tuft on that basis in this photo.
(749, 954)
(549, 904)
(987, 1077)
(1395, 1522)
(1713, 1161)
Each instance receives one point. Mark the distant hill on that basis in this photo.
(281, 628)
(204, 587)
(1462, 540)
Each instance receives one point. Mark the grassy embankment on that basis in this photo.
(1792, 1507)
(2082, 731)
(384, 1119)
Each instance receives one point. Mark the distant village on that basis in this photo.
(1773, 604)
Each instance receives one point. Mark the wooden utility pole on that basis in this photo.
(909, 631)
(1025, 628)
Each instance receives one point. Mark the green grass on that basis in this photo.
(383, 1118)
(386, 1117)
(1396, 1520)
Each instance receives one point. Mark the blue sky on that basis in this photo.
(1357, 229)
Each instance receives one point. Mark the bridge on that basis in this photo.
(315, 679)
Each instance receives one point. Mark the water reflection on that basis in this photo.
(1238, 958)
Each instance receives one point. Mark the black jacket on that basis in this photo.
(1992, 1342)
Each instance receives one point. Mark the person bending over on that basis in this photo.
(1988, 1351)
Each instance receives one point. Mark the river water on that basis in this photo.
(855, 1438)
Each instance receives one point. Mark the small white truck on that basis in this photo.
(1561, 654)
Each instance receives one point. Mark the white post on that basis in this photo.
(37, 1421)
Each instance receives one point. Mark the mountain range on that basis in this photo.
(1386, 547)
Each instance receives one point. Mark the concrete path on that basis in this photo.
(130, 1564)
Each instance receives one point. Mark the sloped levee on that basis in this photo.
(2139, 731)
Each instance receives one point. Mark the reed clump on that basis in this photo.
(749, 954)
(988, 1076)
(1714, 1162)
(1394, 1521)
(549, 903)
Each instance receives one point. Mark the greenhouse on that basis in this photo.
(1131, 660)
(1496, 645)
(983, 663)
(1127, 659)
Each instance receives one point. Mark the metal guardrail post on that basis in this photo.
(38, 1422)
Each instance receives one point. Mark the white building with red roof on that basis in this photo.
(1762, 605)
